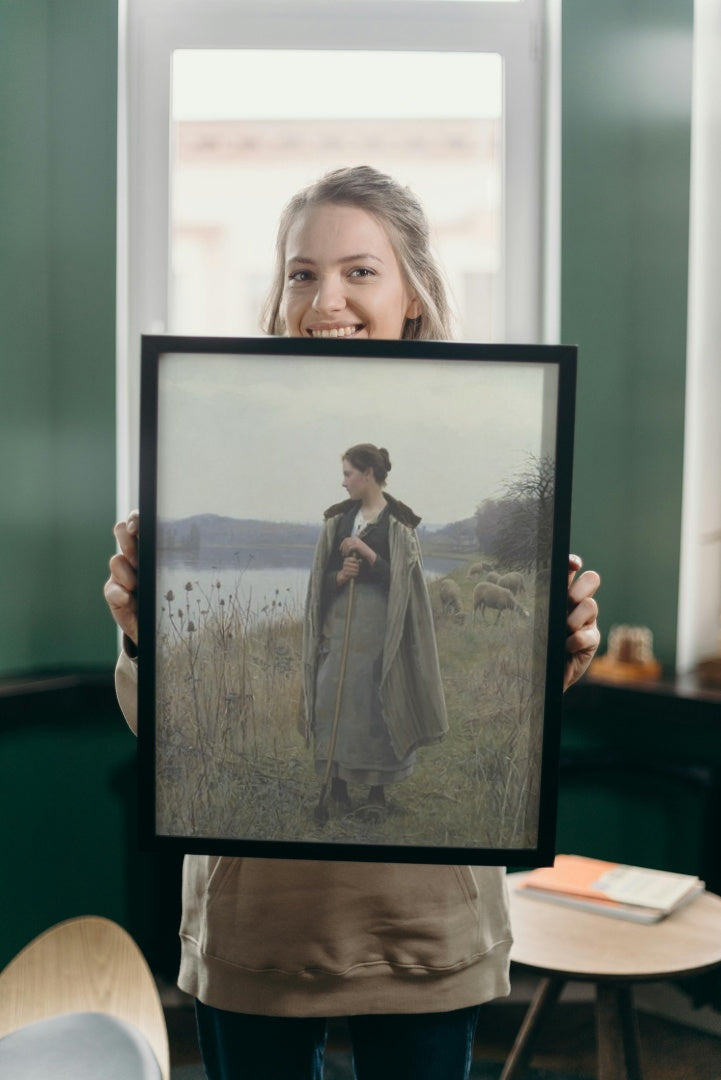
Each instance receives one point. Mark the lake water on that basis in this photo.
(259, 589)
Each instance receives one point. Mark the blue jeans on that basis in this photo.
(414, 1046)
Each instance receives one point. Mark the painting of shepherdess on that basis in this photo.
(371, 676)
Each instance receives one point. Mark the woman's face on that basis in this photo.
(355, 481)
(342, 277)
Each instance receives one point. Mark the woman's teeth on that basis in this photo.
(337, 331)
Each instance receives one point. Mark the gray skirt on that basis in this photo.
(363, 753)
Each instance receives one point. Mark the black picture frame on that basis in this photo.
(241, 447)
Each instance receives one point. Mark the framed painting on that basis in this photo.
(352, 597)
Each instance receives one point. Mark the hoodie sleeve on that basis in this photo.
(126, 688)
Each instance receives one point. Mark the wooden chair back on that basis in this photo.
(87, 964)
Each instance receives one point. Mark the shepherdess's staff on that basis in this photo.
(321, 811)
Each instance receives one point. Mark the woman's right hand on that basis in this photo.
(121, 587)
(349, 569)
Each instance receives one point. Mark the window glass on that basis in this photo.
(251, 127)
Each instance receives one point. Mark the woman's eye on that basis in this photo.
(299, 276)
(362, 272)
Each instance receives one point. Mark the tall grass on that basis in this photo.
(231, 762)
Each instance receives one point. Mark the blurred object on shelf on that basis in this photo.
(629, 657)
(708, 670)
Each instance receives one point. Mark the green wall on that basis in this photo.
(66, 758)
(625, 200)
(58, 72)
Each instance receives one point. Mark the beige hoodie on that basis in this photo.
(286, 937)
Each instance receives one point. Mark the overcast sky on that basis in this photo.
(262, 437)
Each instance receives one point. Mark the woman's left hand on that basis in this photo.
(582, 633)
(353, 545)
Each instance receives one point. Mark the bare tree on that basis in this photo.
(517, 529)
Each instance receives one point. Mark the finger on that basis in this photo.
(583, 641)
(581, 651)
(585, 585)
(123, 608)
(126, 534)
(118, 598)
(123, 573)
(575, 563)
(584, 613)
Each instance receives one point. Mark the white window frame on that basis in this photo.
(699, 598)
(525, 34)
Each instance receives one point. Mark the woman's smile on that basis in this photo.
(342, 278)
(335, 331)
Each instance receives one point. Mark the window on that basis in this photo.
(236, 160)
(227, 107)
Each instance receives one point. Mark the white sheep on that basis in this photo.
(488, 595)
(512, 581)
(451, 600)
(493, 577)
(479, 568)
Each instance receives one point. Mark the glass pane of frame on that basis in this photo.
(413, 715)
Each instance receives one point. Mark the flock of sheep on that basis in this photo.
(498, 592)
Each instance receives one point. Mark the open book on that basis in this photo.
(608, 888)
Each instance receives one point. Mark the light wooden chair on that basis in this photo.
(87, 967)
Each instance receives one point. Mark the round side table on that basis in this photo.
(563, 944)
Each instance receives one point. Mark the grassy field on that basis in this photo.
(231, 763)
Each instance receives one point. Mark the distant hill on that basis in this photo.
(212, 538)
(458, 536)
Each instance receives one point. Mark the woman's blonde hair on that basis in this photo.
(403, 217)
